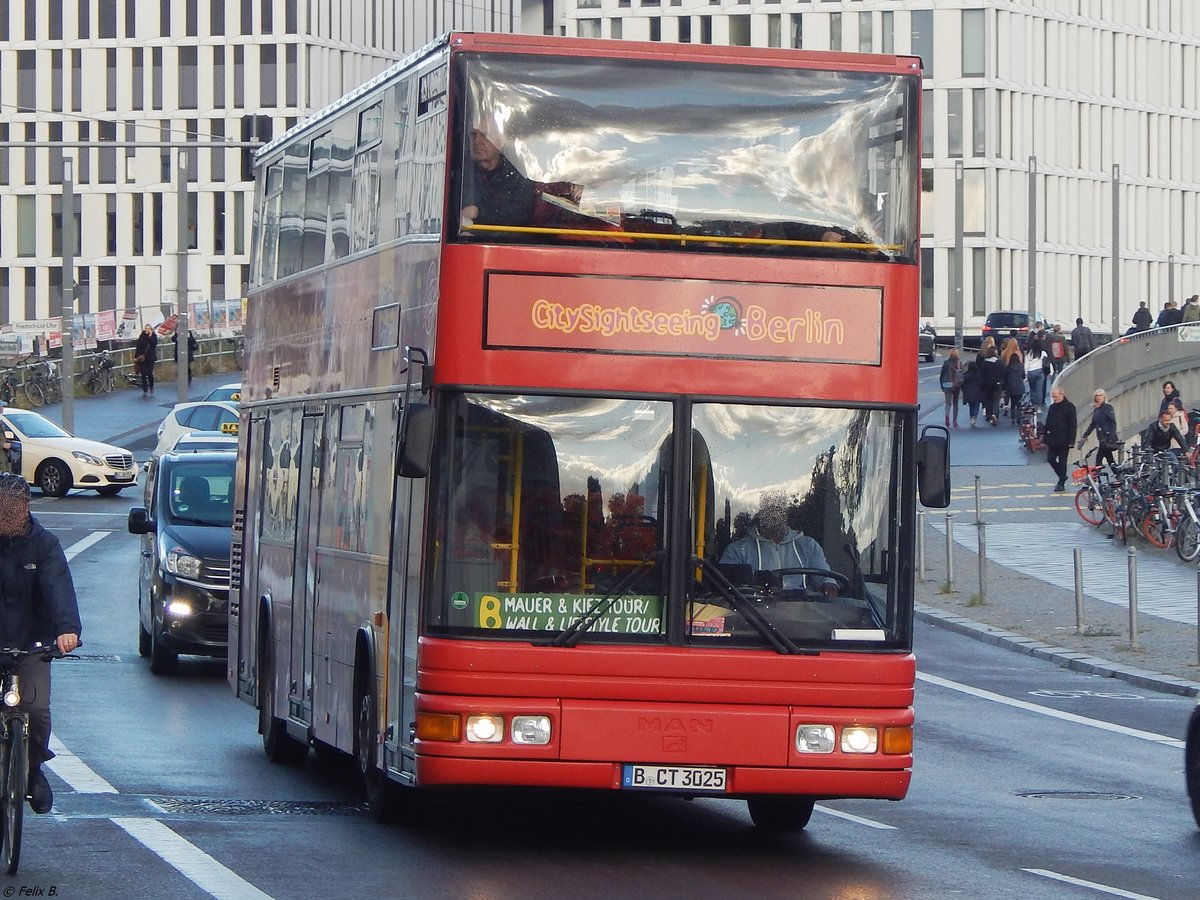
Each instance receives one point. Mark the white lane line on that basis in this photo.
(83, 543)
(71, 769)
(870, 823)
(1095, 886)
(39, 512)
(1053, 713)
(191, 862)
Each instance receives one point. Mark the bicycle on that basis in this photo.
(99, 375)
(14, 752)
(9, 386)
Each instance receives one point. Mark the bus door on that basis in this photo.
(243, 594)
(403, 611)
(304, 586)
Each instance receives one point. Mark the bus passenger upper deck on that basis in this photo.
(645, 154)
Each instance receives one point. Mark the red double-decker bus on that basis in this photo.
(579, 425)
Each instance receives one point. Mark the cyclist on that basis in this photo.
(37, 598)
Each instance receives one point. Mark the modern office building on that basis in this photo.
(185, 73)
(1050, 114)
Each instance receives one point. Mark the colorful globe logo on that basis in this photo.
(728, 311)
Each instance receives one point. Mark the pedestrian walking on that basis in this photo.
(1083, 341)
(1191, 309)
(1014, 384)
(145, 354)
(951, 382)
(1061, 425)
(1037, 368)
(1170, 395)
(1142, 319)
(991, 377)
(972, 391)
(1056, 348)
(193, 346)
(1170, 315)
(1104, 423)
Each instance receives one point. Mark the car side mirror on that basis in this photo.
(140, 521)
(933, 467)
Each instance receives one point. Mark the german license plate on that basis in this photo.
(673, 778)
(122, 476)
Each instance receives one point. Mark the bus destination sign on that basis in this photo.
(797, 322)
(632, 614)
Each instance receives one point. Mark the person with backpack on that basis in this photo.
(991, 379)
(972, 391)
(1083, 341)
(1014, 384)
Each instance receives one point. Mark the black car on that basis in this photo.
(183, 586)
(926, 342)
(1000, 325)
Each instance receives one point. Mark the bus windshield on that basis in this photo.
(646, 154)
(557, 507)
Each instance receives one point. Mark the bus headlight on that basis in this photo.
(531, 729)
(814, 738)
(860, 739)
(485, 729)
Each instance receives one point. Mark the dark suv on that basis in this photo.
(183, 586)
(999, 324)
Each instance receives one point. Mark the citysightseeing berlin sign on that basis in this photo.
(798, 322)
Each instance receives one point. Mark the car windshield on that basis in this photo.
(32, 425)
(648, 155)
(557, 508)
(200, 492)
(231, 392)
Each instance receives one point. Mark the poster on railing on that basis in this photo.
(106, 325)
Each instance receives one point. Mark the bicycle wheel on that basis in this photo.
(1187, 540)
(33, 393)
(1155, 531)
(1135, 514)
(1088, 505)
(16, 780)
(109, 381)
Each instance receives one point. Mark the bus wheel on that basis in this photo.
(279, 746)
(780, 813)
(380, 792)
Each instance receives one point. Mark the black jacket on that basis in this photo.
(1104, 423)
(1168, 399)
(37, 594)
(1061, 424)
(1155, 438)
(1142, 318)
(147, 347)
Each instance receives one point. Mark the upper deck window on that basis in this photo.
(644, 154)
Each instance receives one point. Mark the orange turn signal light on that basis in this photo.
(898, 739)
(438, 727)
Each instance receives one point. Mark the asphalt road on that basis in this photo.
(1031, 781)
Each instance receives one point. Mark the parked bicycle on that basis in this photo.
(9, 385)
(14, 752)
(39, 384)
(99, 375)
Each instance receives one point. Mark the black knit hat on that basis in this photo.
(14, 505)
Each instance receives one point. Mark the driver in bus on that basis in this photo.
(494, 192)
(769, 545)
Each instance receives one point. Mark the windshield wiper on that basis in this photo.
(570, 635)
(781, 642)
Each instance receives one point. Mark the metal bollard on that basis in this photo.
(1078, 590)
(950, 552)
(921, 544)
(978, 503)
(1133, 614)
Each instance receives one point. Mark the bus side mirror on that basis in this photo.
(416, 441)
(933, 467)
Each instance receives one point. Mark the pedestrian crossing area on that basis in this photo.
(1009, 497)
(1166, 587)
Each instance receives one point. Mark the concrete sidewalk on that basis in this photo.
(1028, 602)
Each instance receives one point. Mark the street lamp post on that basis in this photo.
(181, 280)
(67, 370)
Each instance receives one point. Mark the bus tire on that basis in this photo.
(381, 794)
(780, 813)
(279, 746)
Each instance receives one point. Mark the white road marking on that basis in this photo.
(83, 543)
(191, 862)
(1095, 886)
(1052, 713)
(71, 769)
(56, 512)
(870, 823)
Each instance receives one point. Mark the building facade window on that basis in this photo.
(291, 77)
(164, 18)
(137, 79)
(774, 30)
(866, 35)
(216, 18)
(739, 31)
(107, 19)
(56, 80)
(954, 123)
(979, 298)
(26, 225)
(973, 47)
(887, 32)
(239, 77)
(835, 31)
(130, 18)
(54, 13)
(218, 77)
(191, 18)
(156, 77)
(685, 29)
(85, 21)
(27, 80)
(107, 132)
(922, 38)
(267, 77)
(796, 31)
(188, 80)
(110, 79)
(979, 122)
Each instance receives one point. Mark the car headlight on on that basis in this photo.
(12, 698)
(485, 729)
(182, 563)
(179, 609)
(87, 458)
(859, 739)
